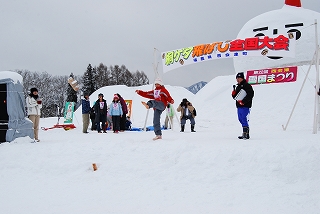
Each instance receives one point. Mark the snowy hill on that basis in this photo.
(196, 87)
(210, 171)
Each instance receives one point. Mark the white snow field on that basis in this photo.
(210, 171)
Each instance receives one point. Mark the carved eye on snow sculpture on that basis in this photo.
(275, 32)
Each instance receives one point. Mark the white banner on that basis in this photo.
(279, 46)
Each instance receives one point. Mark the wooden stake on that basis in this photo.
(94, 166)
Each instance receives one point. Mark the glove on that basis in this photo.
(240, 102)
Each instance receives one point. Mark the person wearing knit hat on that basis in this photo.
(159, 99)
(243, 94)
(34, 105)
(116, 113)
(158, 81)
(240, 75)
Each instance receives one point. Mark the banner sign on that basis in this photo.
(129, 106)
(68, 112)
(280, 46)
(272, 75)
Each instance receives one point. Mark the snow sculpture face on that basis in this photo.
(283, 21)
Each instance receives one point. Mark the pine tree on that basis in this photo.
(127, 77)
(103, 75)
(116, 74)
(140, 78)
(88, 81)
(71, 94)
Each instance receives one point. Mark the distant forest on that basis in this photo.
(55, 90)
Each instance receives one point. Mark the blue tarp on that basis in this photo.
(148, 128)
(18, 125)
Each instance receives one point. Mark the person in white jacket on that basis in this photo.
(34, 104)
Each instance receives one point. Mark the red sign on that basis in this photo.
(272, 75)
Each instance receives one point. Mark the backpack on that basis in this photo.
(194, 111)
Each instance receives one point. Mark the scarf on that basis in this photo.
(34, 96)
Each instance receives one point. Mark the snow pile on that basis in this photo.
(15, 77)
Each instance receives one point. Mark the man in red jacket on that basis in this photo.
(160, 99)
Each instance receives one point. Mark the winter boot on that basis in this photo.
(192, 128)
(245, 134)
(248, 136)
(182, 128)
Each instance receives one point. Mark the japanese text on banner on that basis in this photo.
(257, 46)
(272, 75)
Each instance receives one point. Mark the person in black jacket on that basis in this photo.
(93, 118)
(100, 108)
(243, 94)
(124, 113)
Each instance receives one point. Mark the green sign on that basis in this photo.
(68, 112)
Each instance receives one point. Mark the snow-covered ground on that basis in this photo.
(209, 171)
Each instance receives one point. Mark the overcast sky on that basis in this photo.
(61, 37)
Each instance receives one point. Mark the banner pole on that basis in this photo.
(294, 106)
(316, 101)
(155, 68)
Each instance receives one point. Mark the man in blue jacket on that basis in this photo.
(243, 94)
(85, 112)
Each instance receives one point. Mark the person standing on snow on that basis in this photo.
(109, 119)
(34, 104)
(169, 116)
(93, 118)
(245, 90)
(160, 99)
(124, 113)
(100, 108)
(85, 104)
(187, 113)
(116, 113)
